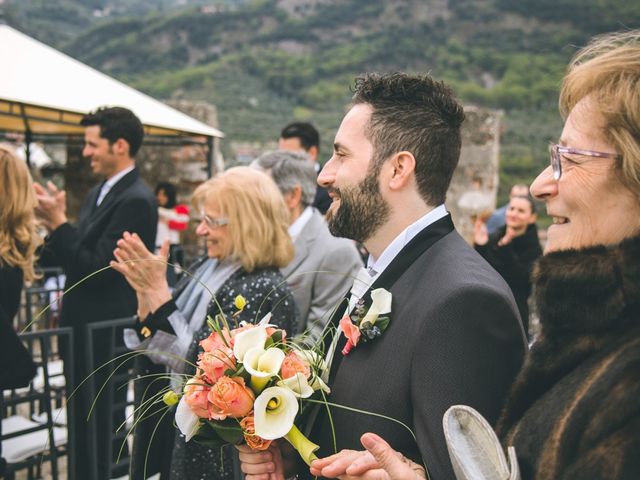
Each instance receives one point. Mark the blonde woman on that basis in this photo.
(244, 221)
(18, 244)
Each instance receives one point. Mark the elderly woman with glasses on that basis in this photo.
(573, 412)
(244, 223)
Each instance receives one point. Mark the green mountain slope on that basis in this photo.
(264, 63)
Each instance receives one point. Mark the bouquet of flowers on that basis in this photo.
(250, 385)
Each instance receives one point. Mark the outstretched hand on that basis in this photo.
(378, 462)
(145, 272)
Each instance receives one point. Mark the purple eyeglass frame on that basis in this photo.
(556, 150)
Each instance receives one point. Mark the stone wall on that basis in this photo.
(474, 185)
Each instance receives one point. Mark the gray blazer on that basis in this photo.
(317, 275)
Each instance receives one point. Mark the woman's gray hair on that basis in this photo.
(288, 170)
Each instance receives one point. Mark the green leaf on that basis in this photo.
(382, 323)
(229, 430)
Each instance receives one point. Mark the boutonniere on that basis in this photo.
(366, 324)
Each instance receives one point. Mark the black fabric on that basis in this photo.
(16, 366)
(514, 261)
(322, 200)
(454, 338)
(573, 412)
(82, 250)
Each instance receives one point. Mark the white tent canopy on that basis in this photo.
(46, 92)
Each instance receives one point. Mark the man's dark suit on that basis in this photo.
(454, 338)
(82, 250)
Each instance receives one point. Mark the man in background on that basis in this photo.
(303, 137)
(122, 202)
(323, 264)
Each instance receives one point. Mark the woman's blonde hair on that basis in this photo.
(607, 70)
(258, 217)
(18, 237)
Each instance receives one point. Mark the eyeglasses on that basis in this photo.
(213, 222)
(556, 151)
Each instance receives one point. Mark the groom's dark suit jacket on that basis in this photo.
(454, 338)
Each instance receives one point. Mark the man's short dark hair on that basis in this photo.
(305, 132)
(115, 123)
(415, 114)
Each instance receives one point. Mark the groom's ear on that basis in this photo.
(402, 166)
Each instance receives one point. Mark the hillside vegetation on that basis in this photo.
(264, 63)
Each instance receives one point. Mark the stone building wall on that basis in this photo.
(474, 185)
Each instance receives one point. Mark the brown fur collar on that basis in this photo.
(587, 300)
(588, 290)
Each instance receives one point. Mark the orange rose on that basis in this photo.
(196, 392)
(254, 441)
(214, 363)
(215, 341)
(229, 397)
(293, 364)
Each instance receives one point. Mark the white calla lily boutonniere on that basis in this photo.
(366, 324)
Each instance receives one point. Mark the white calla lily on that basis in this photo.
(298, 385)
(380, 304)
(275, 409)
(248, 339)
(319, 384)
(187, 421)
(262, 365)
(265, 321)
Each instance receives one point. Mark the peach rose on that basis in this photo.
(254, 441)
(229, 397)
(351, 331)
(214, 363)
(293, 364)
(215, 341)
(196, 392)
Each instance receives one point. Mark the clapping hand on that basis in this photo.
(52, 205)
(145, 272)
(480, 233)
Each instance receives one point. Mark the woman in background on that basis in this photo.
(513, 249)
(173, 218)
(18, 244)
(244, 222)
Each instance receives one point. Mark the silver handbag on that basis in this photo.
(474, 448)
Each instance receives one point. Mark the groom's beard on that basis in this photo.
(361, 212)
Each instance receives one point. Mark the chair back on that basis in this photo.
(111, 386)
(34, 418)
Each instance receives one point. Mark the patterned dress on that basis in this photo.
(265, 291)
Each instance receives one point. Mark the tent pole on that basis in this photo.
(210, 157)
(28, 137)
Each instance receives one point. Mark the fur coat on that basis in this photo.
(574, 410)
